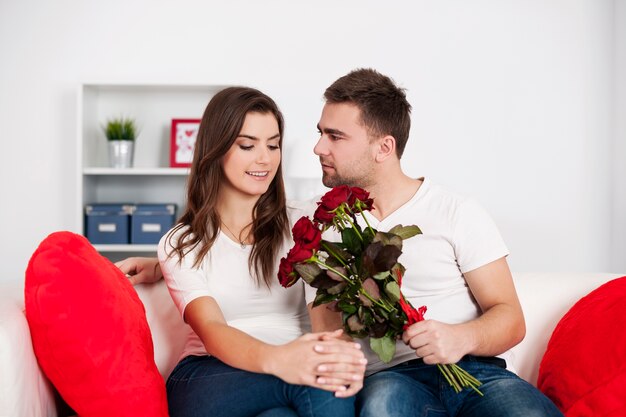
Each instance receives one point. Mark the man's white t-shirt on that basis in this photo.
(274, 315)
(458, 236)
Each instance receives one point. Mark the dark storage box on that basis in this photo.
(150, 222)
(108, 223)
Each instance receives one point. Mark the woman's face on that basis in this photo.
(251, 162)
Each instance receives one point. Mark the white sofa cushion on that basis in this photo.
(24, 390)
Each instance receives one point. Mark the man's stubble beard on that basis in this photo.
(331, 181)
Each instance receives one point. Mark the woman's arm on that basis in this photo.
(296, 362)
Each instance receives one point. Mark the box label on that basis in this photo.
(107, 227)
(151, 227)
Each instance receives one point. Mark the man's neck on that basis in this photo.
(391, 193)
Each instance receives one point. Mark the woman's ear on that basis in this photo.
(386, 148)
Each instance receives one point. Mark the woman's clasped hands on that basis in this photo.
(322, 360)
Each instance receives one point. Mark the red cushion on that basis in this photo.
(584, 368)
(89, 331)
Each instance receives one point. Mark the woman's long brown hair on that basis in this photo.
(221, 124)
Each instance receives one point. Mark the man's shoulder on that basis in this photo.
(442, 195)
(300, 208)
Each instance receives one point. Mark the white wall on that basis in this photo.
(618, 229)
(512, 99)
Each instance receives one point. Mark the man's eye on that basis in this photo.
(246, 147)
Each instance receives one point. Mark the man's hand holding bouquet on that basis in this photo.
(360, 275)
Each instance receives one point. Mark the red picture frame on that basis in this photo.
(182, 141)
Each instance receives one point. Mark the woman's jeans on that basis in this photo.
(203, 386)
(413, 389)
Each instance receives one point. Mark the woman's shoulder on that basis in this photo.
(171, 239)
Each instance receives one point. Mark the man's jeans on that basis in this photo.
(414, 390)
(205, 386)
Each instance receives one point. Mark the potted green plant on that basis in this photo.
(121, 133)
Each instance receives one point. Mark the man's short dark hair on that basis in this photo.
(384, 107)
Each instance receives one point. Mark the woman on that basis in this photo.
(247, 355)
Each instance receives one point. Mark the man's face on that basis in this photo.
(344, 147)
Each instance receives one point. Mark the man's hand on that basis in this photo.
(141, 270)
(437, 342)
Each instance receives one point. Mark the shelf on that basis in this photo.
(126, 248)
(151, 180)
(137, 171)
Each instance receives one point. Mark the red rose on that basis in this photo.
(323, 216)
(335, 197)
(361, 195)
(329, 203)
(299, 253)
(286, 275)
(306, 234)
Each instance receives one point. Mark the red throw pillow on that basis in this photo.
(584, 368)
(89, 331)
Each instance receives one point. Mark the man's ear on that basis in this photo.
(386, 148)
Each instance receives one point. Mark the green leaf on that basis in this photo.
(388, 239)
(323, 281)
(385, 347)
(351, 239)
(371, 287)
(368, 235)
(354, 324)
(381, 275)
(392, 289)
(406, 232)
(394, 271)
(346, 307)
(387, 258)
(365, 315)
(378, 329)
(308, 272)
(337, 288)
(335, 251)
(323, 298)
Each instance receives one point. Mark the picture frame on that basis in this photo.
(182, 142)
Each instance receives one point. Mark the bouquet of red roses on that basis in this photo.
(360, 274)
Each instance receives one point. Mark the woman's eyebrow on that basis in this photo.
(276, 136)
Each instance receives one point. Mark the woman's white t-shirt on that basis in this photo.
(273, 315)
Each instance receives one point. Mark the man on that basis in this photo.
(457, 268)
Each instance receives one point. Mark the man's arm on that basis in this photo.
(500, 326)
(324, 319)
(141, 270)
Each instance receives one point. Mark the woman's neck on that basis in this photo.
(236, 209)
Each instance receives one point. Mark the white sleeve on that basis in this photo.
(476, 238)
(184, 281)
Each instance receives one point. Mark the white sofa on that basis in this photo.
(25, 392)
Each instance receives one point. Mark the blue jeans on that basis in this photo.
(203, 386)
(416, 389)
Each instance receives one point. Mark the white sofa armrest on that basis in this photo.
(24, 390)
(545, 298)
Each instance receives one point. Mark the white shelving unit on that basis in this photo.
(151, 180)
